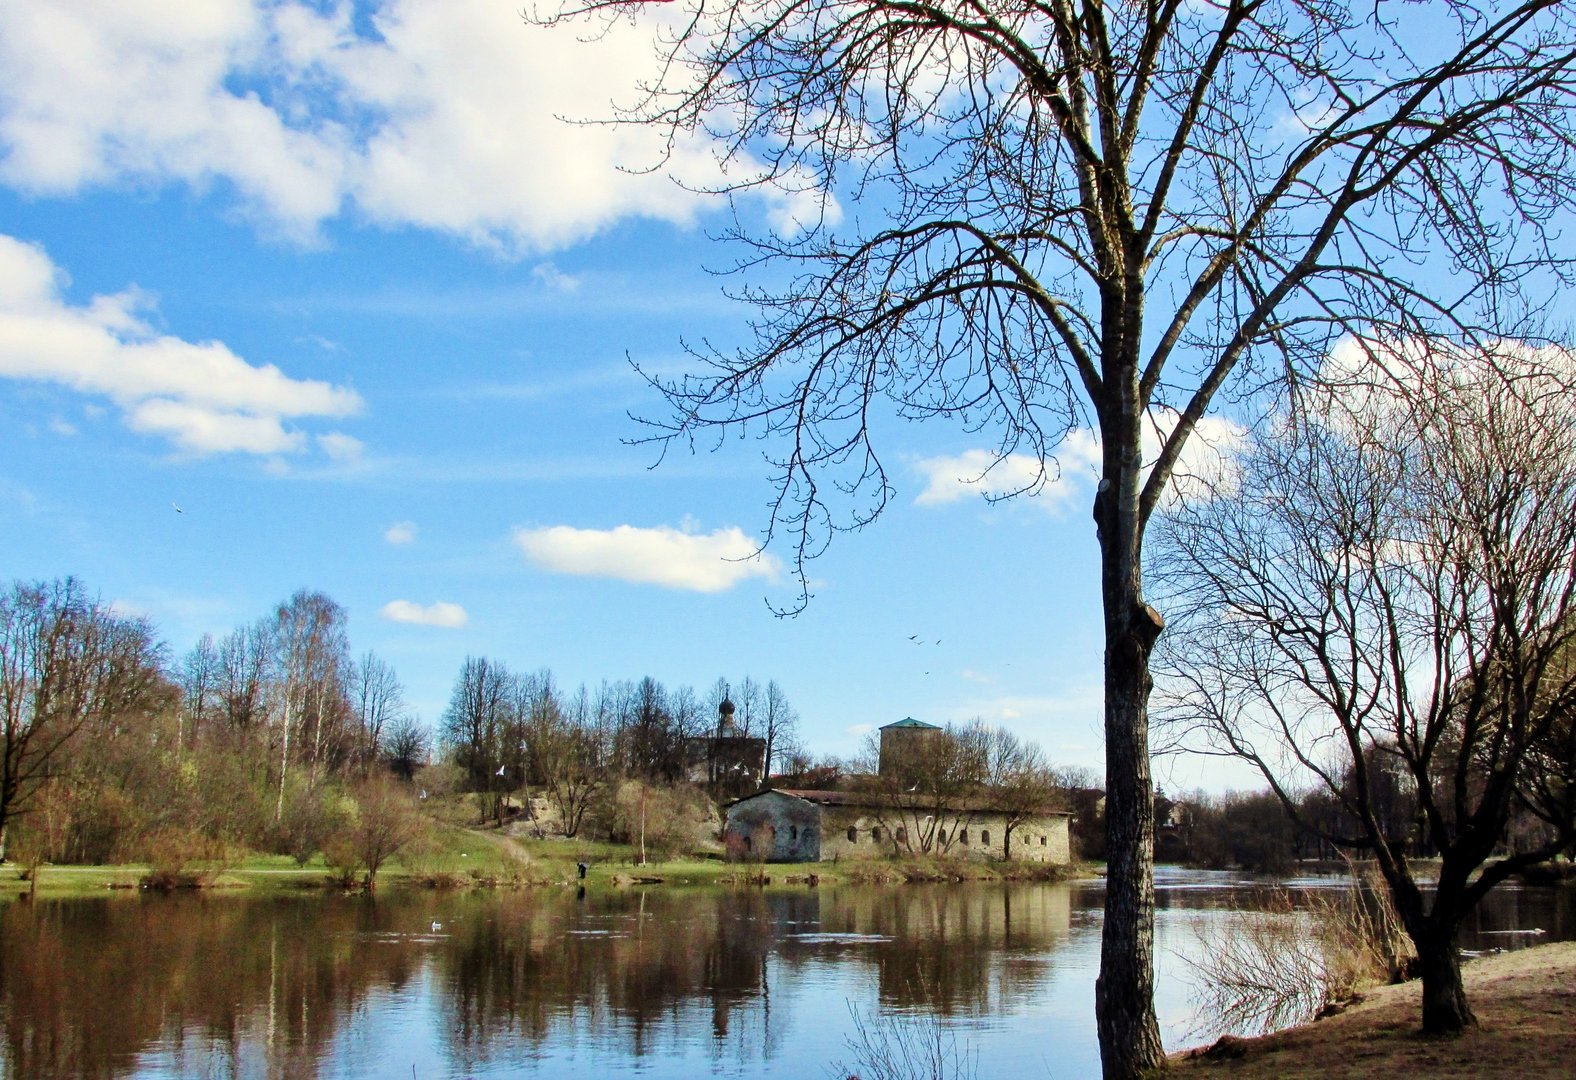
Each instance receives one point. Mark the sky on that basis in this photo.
(333, 296)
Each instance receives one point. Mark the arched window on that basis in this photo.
(748, 843)
(902, 834)
(853, 835)
(1042, 839)
(963, 836)
(985, 837)
(875, 833)
(793, 832)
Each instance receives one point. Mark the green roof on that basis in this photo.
(910, 722)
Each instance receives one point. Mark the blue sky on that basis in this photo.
(339, 283)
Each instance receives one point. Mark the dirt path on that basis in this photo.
(1526, 1007)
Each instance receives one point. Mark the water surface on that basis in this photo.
(655, 983)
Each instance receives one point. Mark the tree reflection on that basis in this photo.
(296, 985)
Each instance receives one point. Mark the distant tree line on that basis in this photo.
(507, 732)
(275, 737)
(272, 738)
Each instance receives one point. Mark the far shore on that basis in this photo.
(487, 858)
(1525, 1002)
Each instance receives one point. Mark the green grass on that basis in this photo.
(457, 853)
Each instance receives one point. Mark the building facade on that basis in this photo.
(809, 826)
(772, 826)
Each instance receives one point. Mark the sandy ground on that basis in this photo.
(1526, 1008)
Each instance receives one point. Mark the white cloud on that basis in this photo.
(345, 449)
(1205, 461)
(200, 396)
(400, 533)
(448, 616)
(980, 473)
(554, 279)
(445, 114)
(675, 559)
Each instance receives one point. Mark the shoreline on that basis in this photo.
(1525, 1002)
(491, 861)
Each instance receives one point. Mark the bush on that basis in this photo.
(1283, 965)
(383, 820)
(183, 859)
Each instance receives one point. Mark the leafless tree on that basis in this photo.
(406, 746)
(243, 667)
(779, 725)
(1382, 608)
(66, 662)
(377, 701)
(310, 662)
(384, 822)
(1022, 785)
(476, 724)
(928, 788)
(1075, 213)
(570, 754)
(199, 679)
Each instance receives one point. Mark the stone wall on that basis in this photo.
(852, 832)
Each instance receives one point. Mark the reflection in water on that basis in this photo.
(659, 983)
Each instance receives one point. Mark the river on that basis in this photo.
(655, 983)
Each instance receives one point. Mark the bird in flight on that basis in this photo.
(177, 509)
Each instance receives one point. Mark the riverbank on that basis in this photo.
(461, 858)
(1525, 1003)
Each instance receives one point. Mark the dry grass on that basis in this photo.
(1526, 1007)
(1287, 961)
(905, 1047)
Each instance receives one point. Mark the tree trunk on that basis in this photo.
(1125, 1019)
(1445, 1008)
(1124, 993)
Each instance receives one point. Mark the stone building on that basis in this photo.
(809, 826)
(903, 740)
(773, 826)
(728, 761)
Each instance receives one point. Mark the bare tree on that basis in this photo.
(570, 752)
(1384, 608)
(384, 821)
(199, 679)
(779, 725)
(927, 788)
(406, 746)
(311, 658)
(243, 668)
(1081, 213)
(1022, 785)
(378, 702)
(65, 662)
(476, 726)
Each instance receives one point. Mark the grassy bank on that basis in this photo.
(454, 856)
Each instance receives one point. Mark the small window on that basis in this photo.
(941, 836)
(875, 833)
(1042, 839)
(793, 832)
(853, 835)
(902, 834)
(963, 836)
(985, 837)
(748, 843)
